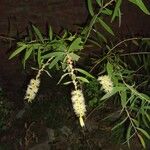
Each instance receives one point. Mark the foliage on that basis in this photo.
(134, 118)
(93, 93)
(63, 53)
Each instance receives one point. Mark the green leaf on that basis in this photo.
(100, 36)
(142, 141)
(119, 88)
(36, 45)
(16, 52)
(128, 135)
(145, 62)
(144, 96)
(94, 42)
(107, 95)
(146, 108)
(134, 59)
(38, 33)
(116, 10)
(74, 56)
(20, 44)
(136, 122)
(84, 72)
(140, 95)
(82, 79)
(109, 69)
(144, 132)
(147, 116)
(39, 57)
(120, 123)
(145, 122)
(90, 7)
(99, 2)
(50, 33)
(28, 53)
(30, 34)
(53, 54)
(141, 5)
(71, 38)
(76, 45)
(107, 11)
(123, 95)
(105, 26)
(54, 61)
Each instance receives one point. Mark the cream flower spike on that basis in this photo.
(32, 89)
(106, 83)
(34, 84)
(79, 105)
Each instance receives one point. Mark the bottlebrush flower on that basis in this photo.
(32, 89)
(106, 83)
(79, 105)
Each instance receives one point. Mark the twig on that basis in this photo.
(96, 16)
(135, 53)
(7, 38)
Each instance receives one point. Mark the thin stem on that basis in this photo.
(121, 42)
(118, 44)
(71, 70)
(132, 124)
(43, 67)
(96, 16)
(7, 38)
(135, 53)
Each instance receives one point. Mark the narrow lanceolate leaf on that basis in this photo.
(82, 79)
(84, 72)
(28, 53)
(107, 11)
(120, 123)
(116, 10)
(99, 2)
(54, 61)
(140, 95)
(94, 42)
(147, 116)
(39, 57)
(109, 69)
(142, 141)
(108, 95)
(101, 36)
(90, 7)
(76, 45)
(128, 135)
(144, 132)
(141, 5)
(105, 26)
(16, 52)
(123, 95)
(38, 33)
(53, 54)
(74, 56)
(50, 33)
